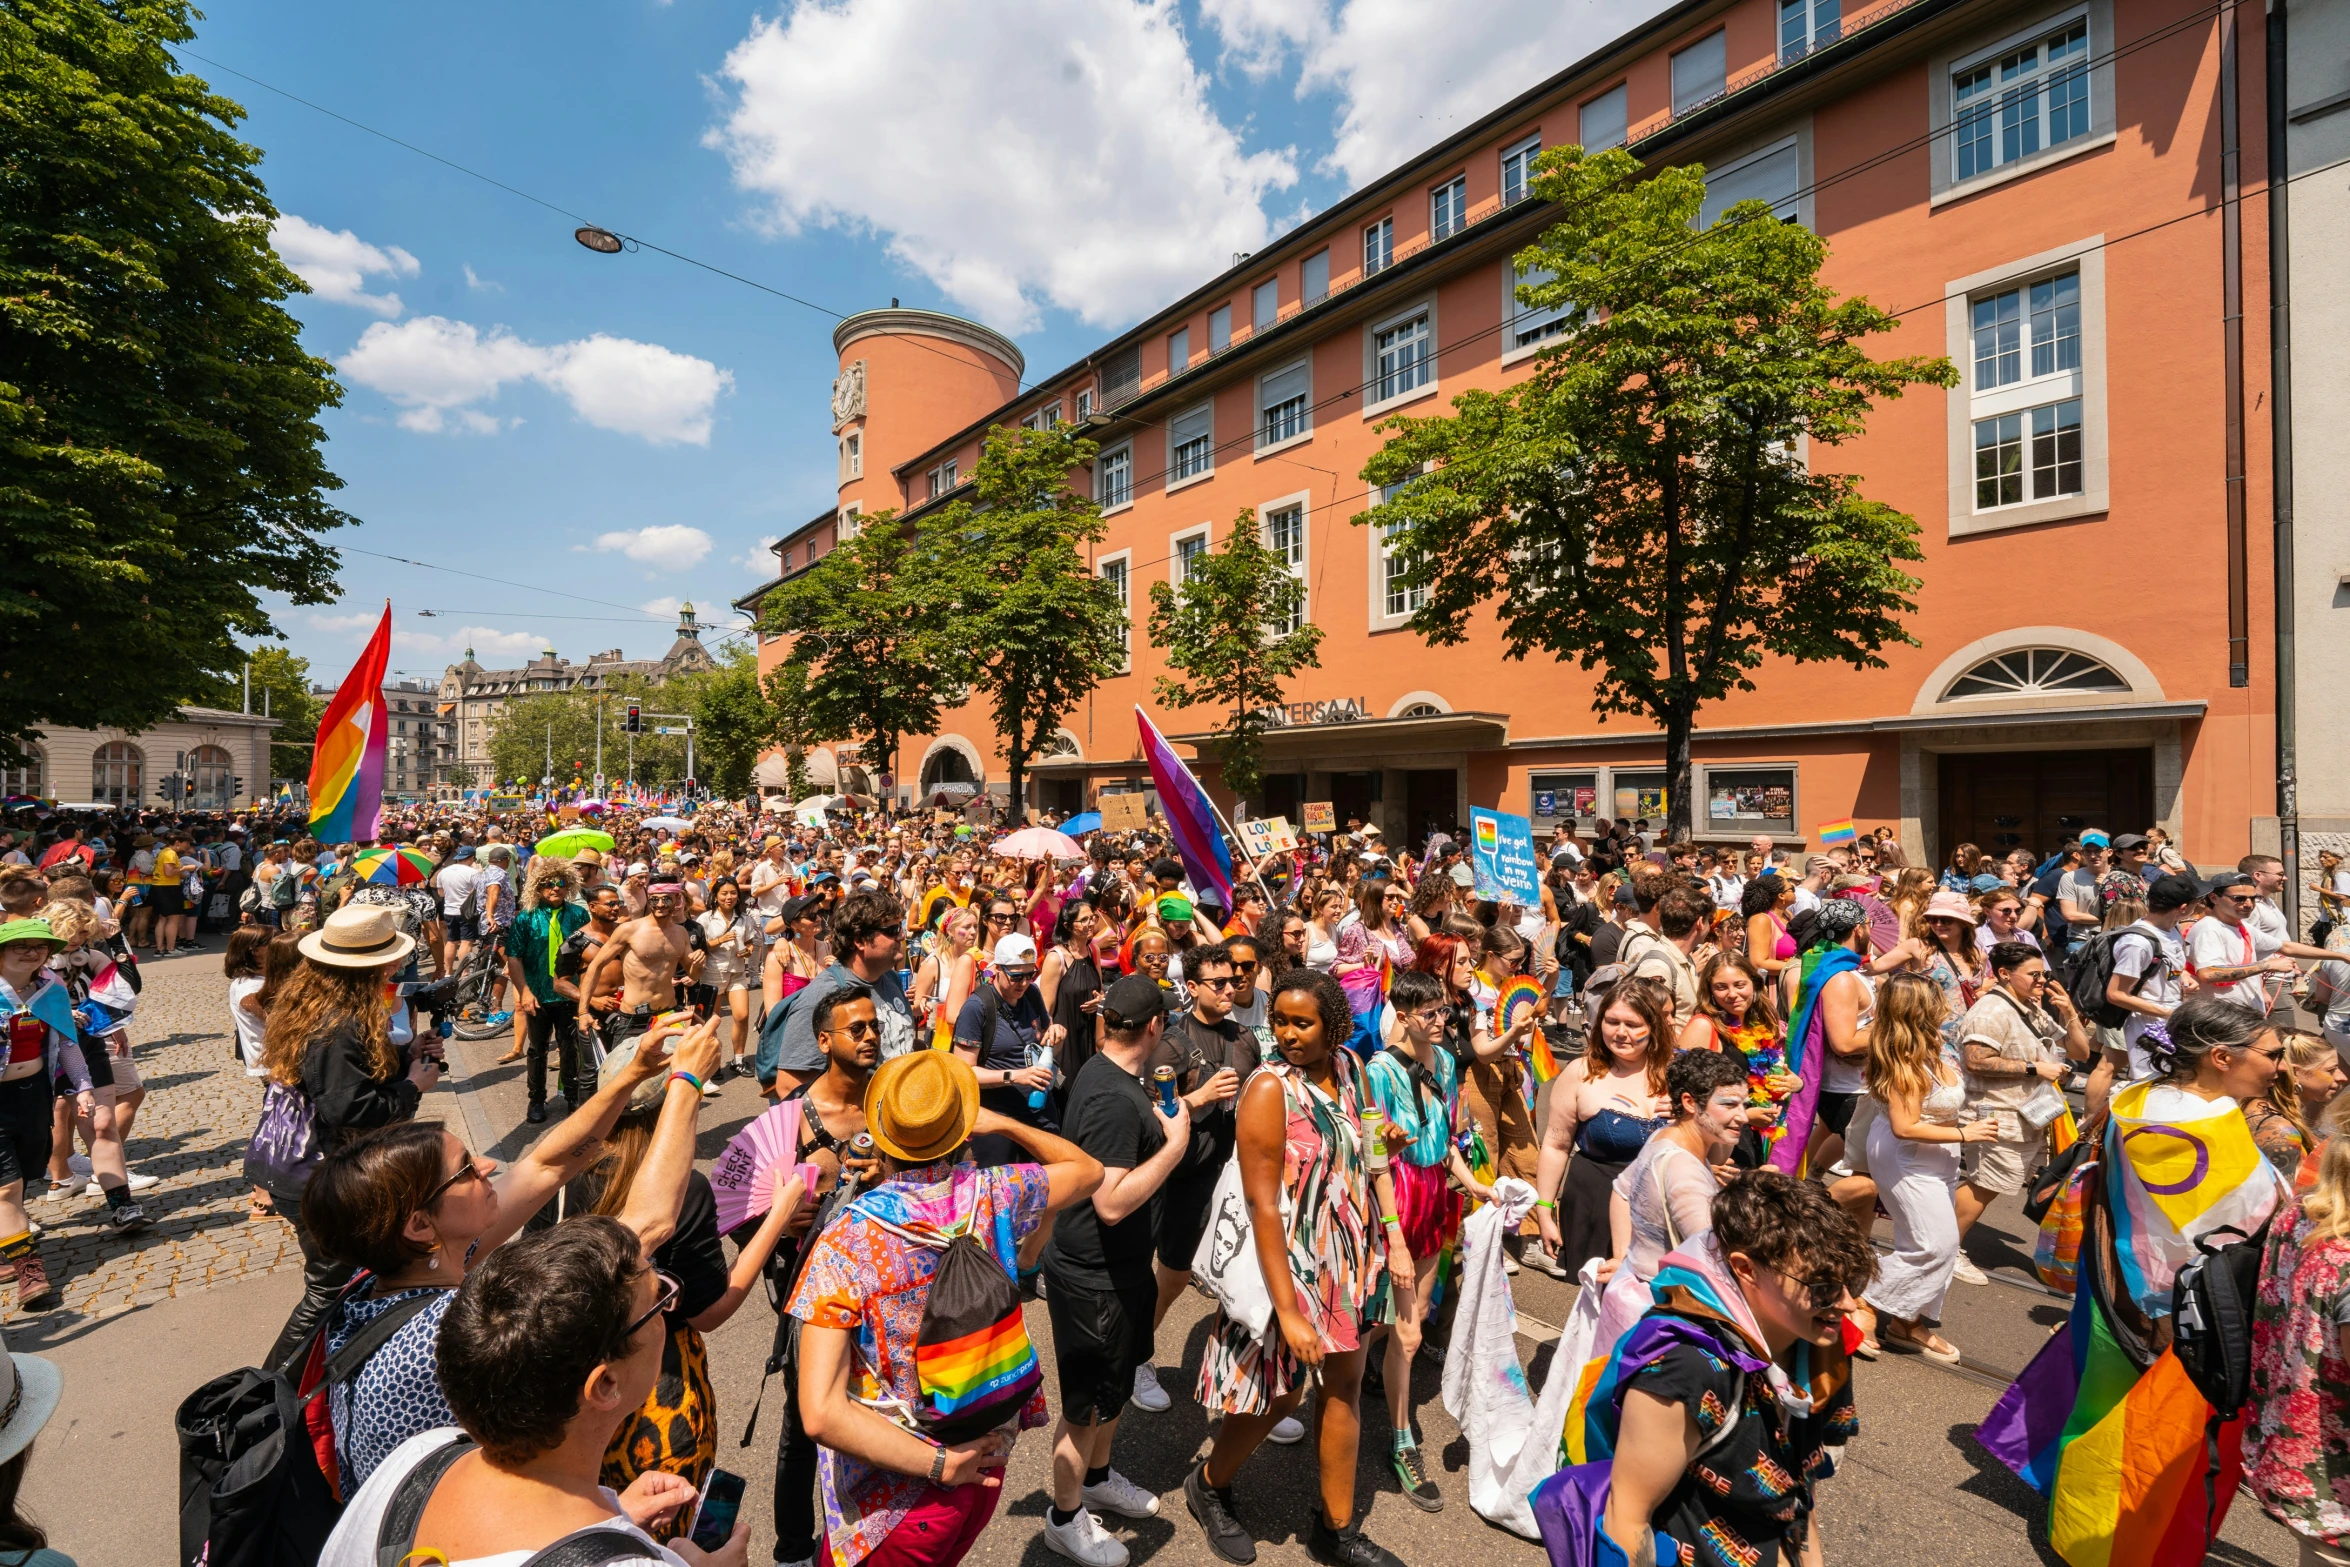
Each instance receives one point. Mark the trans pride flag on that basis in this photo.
(347, 768)
(1191, 819)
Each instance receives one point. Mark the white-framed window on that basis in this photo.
(1605, 119)
(1178, 350)
(1403, 356)
(1285, 536)
(1398, 598)
(1219, 329)
(1191, 444)
(1046, 418)
(1805, 25)
(1264, 304)
(852, 456)
(1530, 326)
(25, 782)
(1114, 569)
(2009, 108)
(1113, 478)
(117, 770)
(1517, 170)
(1313, 277)
(1284, 404)
(2032, 455)
(1085, 403)
(1378, 246)
(942, 479)
(1184, 557)
(844, 528)
(1448, 209)
(1701, 71)
(2028, 418)
(2035, 671)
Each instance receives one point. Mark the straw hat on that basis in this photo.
(359, 935)
(29, 1390)
(920, 1106)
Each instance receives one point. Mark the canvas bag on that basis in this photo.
(972, 1359)
(284, 1148)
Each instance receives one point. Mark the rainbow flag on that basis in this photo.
(1807, 1052)
(1838, 832)
(1191, 819)
(347, 767)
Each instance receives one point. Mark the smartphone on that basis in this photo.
(714, 1512)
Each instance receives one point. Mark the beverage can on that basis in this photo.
(1163, 1078)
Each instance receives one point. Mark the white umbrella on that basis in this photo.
(667, 824)
(1040, 843)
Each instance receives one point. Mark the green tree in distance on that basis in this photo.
(787, 697)
(733, 720)
(281, 688)
(865, 642)
(1005, 577)
(1642, 503)
(160, 455)
(1236, 631)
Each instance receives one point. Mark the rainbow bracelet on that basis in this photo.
(683, 1076)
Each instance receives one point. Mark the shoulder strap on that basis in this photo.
(989, 1006)
(395, 1536)
(347, 1362)
(594, 1546)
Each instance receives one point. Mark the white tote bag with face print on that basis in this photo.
(1226, 1261)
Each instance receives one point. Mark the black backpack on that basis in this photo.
(973, 1362)
(395, 1536)
(251, 1491)
(2211, 1334)
(2092, 970)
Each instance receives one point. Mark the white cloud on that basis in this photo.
(480, 284)
(1059, 152)
(437, 369)
(661, 606)
(671, 546)
(492, 648)
(336, 263)
(1403, 84)
(759, 559)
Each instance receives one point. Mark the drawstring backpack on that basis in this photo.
(972, 1359)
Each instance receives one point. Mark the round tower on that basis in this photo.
(909, 379)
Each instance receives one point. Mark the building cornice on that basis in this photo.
(900, 322)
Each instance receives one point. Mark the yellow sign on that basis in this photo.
(1267, 835)
(1321, 816)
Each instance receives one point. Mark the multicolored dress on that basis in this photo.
(1424, 1104)
(2296, 1444)
(1337, 1267)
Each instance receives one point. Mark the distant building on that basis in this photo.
(472, 697)
(224, 755)
(420, 745)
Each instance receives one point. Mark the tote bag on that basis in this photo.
(1226, 1261)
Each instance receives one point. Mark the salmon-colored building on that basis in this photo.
(2039, 189)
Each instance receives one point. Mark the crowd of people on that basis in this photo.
(1733, 1062)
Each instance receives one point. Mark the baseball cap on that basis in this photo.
(2095, 839)
(2171, 892)
(2221, 882)
(1462, 876)
(640, 868)
(2129, 840)
(1131, 1002)
(1016, 952)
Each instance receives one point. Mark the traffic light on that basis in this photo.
(690, 786)
(188, 788)
(634, 723)
(236, 788)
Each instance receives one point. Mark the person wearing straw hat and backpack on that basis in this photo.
(905, 1477)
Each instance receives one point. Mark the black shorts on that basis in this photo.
(1835, 1110)
(167, 902)
(621, 1027)
(24, 1129)
(1183, 1215)
(460, 927)
(1099, 1337)
(94, 1056)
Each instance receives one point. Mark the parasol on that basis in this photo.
(1039, 843)
(666, 824)
(392, 867)
(592, 805)
(567, 843)
(1083, 822)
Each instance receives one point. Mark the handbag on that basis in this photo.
(2053, 1176)
(284, 1148)
(1226, 1261)
(2056, 1254)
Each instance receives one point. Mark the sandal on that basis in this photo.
(508, 1057)
(1932, 1345)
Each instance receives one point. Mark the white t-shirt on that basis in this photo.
(2134, 958)
(2214, 944)
(249, 1027)
(353, 1542)
(456, 884)
(1805, 898)
(770, 887)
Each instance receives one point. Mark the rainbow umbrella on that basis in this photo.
(392, 867)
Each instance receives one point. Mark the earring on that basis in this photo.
(435, 1262)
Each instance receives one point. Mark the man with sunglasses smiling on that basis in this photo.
(1004, 1032)
(2231, 956)
(652, 951)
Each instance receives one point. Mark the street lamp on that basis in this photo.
(598, 239)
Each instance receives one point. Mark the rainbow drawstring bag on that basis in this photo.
(972, 1358)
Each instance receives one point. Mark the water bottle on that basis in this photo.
(1038, 1055)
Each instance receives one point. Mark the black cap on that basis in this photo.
(2128, 840)
(2171, 892)
(2226, 879)
(1133, 1001)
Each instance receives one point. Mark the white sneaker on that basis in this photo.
(1287, 1431)
(1083, 1539)
(710, 1089)
(1122, 1496)
(1147, 1392)
(79, 1164)
(58, 1191)
(1967, 1273)
(138, 1183)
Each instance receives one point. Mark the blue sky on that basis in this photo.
(619, 433)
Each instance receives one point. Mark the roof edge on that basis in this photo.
(898, 321)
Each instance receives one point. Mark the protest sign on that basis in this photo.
(1501, 858)
(1321, 816)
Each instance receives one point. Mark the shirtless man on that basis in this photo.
(651, 953)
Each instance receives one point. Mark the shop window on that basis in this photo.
(1555, 798)
(1640, 795)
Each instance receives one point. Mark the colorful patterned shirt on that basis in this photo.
(2296, 1442)
(862, 1278)
(1426, 1117)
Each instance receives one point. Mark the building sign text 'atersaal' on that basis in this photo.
(1338, 710)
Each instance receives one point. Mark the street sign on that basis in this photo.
(670, 729)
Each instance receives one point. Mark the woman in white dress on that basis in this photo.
(735, 935)
(1666, 1194)
(1913, 1157)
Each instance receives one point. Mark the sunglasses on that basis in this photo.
(1823, 1292)
(865, 1030)
(665, 1292)
(471, 1166)
(999, 919)
(1226, 983)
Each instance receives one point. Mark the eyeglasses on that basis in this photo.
(999, 919)
(865, 1030)
(471, 1166)
(665, 1292)
(1017, 976)
(2277, 1054)
(1242, 968)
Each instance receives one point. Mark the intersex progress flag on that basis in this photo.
(1191, 820)
(347, 768)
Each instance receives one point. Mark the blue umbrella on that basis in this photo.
(1083, 822)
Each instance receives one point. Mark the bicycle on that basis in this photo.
(470, 1011)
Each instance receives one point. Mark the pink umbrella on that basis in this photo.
(1039, 843)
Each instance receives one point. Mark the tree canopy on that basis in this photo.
(281, 688)
(160, 455)
(1654, 501)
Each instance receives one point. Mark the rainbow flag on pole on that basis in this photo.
(347, 768)
(1191, 818)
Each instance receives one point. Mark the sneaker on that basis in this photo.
(1083, 1539)
(712, 1088)
(1967, 1273)
(1346, 1547)
(499, 1019)
(140, 1183)
(1122, 1496)
(1540, 1258)
(79, 1164)
(58, 1191)
(128, 1219)
(1211, 1507)
(1288, 1431)
(1147, 1392)
(1509, 1264)
(1418, 1489)
(34, 1292)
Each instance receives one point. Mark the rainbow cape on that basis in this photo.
(347, 766)
(2119, 1450)
(1191, 818)
(1807, 1051)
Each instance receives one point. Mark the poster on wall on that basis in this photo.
(1501, 858)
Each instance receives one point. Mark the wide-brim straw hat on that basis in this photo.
(359, 935)
(920, 1106)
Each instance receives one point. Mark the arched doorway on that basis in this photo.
(948, 770)
(116, 769)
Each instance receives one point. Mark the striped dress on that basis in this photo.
(1336, 1262)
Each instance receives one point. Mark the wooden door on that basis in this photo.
(2003, 800)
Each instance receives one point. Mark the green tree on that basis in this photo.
(733, 720)
(864, 642)
(1653, 501)
(565, 723)
(787, 696)
(458, 776)
(160, 455)
(1005, 575)
(1236, 630)
(281, 689)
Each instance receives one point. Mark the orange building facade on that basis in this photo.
(2040, 190)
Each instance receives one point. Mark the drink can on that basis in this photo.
(1163, 1078)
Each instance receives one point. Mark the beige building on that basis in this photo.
(472, 697)
(224, 755)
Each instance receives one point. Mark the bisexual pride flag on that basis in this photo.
(347, 767)
(1191, 819)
